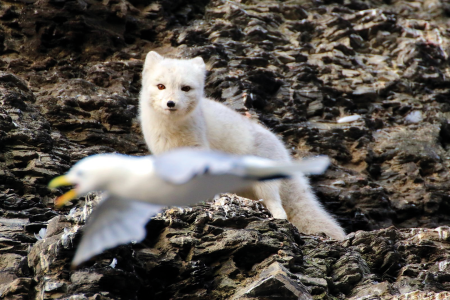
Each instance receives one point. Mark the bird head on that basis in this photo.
(89, 174)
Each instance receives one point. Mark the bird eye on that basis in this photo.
(79, 173)
(186, 88)
(161, 86)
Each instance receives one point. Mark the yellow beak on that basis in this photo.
(59, 181)
(62, 181)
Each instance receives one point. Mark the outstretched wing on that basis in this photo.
(257, 169)
(181, 165)
(113, 222)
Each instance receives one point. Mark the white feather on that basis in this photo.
(112, 223)
(414, 117)
(349, 119)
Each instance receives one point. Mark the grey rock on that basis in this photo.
(69, 84)
(273, 282)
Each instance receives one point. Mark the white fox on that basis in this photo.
(174, 113)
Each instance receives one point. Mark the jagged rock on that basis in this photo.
(69, 84)
(273, 282)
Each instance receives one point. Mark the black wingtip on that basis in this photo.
(271, 177)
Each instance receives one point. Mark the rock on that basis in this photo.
(69, 87)
(17, 289)
(273, 282)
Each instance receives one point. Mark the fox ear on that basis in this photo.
(151, 59)
(198, 61)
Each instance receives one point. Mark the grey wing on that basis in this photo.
(181, 165)
(113, 222)
(259, 170)
(314, 165)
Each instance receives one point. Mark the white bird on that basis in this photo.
(137, 188)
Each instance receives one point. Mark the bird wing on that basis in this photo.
(113, 222)
(257, 169)
(179, 167)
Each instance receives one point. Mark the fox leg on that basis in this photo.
(269, 191)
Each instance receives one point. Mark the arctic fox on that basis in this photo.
(174, 113)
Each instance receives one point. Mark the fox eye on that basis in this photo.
(186, 88)
(161, 86)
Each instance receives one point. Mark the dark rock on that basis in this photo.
(69, 84)
(274, 282)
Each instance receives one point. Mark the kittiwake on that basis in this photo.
(137, 188)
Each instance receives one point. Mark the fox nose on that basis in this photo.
(170, 104)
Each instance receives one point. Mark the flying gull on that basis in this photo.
(137, 188)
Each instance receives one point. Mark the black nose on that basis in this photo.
(170, 104)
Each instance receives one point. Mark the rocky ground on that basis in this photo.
(69, 84)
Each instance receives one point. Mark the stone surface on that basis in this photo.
(69, 84)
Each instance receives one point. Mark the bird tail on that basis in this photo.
(269, 169)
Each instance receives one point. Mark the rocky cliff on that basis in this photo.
(69, 84)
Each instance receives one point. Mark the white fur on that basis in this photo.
(201, 122)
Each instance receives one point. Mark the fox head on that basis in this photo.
(172, 87)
